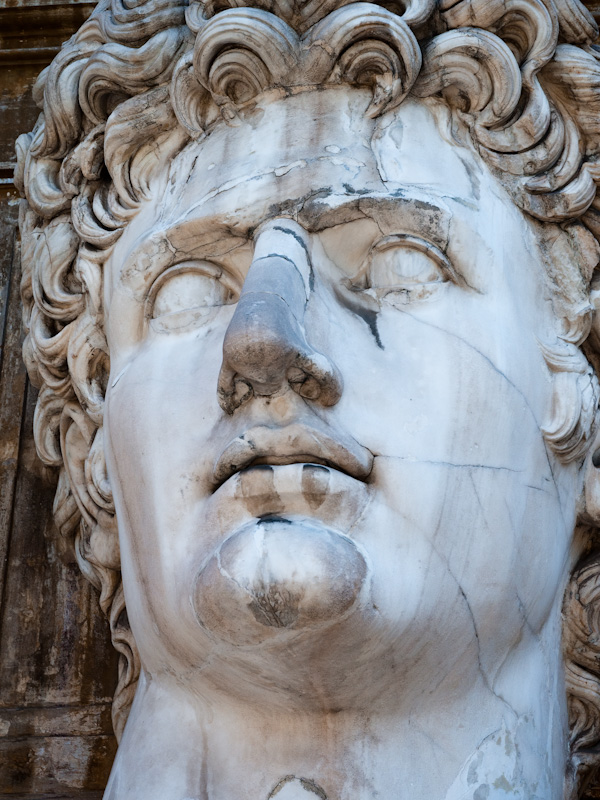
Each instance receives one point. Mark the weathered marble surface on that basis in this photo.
(309, 343)
(340, 614)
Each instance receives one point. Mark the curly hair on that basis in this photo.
(142, 78)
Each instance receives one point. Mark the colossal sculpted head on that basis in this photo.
(309, 294)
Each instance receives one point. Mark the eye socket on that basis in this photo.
(402, 269)
(189, 292)
(404, 263)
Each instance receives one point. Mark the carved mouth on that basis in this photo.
(280, 461)
(293, 444)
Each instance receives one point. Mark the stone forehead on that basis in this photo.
(316, 158)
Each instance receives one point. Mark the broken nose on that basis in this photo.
(265, 347)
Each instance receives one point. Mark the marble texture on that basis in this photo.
(317, 347)
(352, 554)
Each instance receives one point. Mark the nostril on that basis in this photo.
(320, 371)
(305, 385)
(310, 389)
(232, 391)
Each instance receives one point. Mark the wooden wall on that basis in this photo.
(57, 668)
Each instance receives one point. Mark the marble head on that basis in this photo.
(309, 293)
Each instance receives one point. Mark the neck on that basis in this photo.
(469, 736)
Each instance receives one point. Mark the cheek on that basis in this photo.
(159, 418)
(425, 386)
(462, 554)
(451, 404)
(168, 387)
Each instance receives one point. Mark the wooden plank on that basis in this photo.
(54, 765)
(30, 721)
(83, 795)
(62, 656)
(57, 667)
(12, 390)
(8, 232)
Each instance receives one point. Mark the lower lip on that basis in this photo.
(274, 575)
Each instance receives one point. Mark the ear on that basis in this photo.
(82, 448)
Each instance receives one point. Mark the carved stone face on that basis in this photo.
(324, 409)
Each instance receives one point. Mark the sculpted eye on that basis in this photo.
(189, 290)
(188, 293)
(403, 263)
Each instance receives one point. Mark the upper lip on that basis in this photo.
(294, 443)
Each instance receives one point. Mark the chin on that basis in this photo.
(277, 577)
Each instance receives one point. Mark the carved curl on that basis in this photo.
(581, 643)
(141, 77)
(238, 55)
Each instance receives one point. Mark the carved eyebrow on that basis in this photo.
(398, 212)
(157, 252)
(403, 211)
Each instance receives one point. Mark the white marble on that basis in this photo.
(397, 604)
(324, 384)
